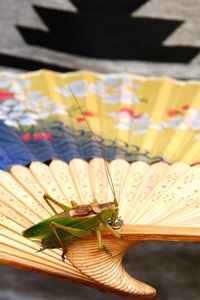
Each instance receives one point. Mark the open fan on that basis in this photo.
(148, 130)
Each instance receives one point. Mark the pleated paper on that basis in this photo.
(149, 131)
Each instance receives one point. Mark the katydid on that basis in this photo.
(77, 221)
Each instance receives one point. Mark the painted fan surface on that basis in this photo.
(142, 124)
(148, 118)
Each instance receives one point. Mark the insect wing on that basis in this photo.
(42, 229)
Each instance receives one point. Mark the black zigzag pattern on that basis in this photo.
(107, 31)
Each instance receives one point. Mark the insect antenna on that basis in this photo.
(108, 175)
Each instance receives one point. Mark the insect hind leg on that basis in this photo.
(48, 199)
(52, 226)
(76, 232)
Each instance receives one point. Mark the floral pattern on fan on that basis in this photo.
(127, 119)
(37, 136)
(138, 111)
(16, 112)
(109, 90)
(184, 118)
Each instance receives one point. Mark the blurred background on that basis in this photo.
(142, 36)
(147, 37)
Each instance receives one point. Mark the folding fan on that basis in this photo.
(149, 131)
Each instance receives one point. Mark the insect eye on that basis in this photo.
(110, 222)
(117, 225)
(120, 222)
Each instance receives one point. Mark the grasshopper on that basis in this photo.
(77, 221)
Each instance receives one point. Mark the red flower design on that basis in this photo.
(185, 107)
(89, 114)
(37, 136)
(27, 137)
(43, 135)
(130, 112)
(86, 114)
(127, 110)
(135, 116)
(5, 95)
(80, 119)
(173, 112)
(196, 163)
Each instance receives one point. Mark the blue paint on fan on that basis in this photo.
(12, 149)
(59, 144)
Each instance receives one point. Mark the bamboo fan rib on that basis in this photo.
(157, 202)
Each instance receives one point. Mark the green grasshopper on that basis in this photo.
(74, 222)
(77, 221)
